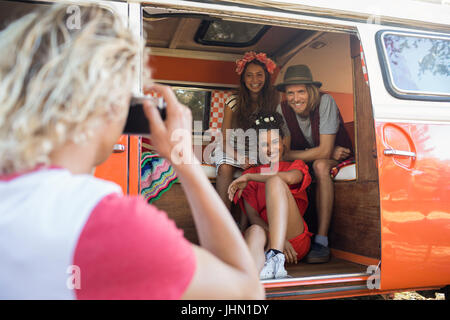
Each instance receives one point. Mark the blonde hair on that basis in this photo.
(57, 84)
(313, 96)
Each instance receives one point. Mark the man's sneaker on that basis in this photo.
(273, 267)
(318, 254)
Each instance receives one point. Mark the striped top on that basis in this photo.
(235, 137)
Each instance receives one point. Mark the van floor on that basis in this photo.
(334, 266)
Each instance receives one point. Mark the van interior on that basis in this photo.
(196, 55)
(198, 52)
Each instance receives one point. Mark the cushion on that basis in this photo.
(344, 171)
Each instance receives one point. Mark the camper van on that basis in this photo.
(387, 66)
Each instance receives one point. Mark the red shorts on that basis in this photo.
(302, 242)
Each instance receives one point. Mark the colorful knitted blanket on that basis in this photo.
(157, 176)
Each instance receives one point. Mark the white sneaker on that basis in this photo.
(267, 272)
(273, 267)
(279, 270)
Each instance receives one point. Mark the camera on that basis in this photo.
(137, 122)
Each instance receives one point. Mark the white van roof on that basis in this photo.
(432, 11)
(428, 14)
(404, 12)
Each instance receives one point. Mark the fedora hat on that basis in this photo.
(297, 74)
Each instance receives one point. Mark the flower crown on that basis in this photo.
(264, 119)
(250, 56)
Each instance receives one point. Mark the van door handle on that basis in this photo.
(118, 148)
(393, 152)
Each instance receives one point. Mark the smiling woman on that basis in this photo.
(273, 196)
(254, 78)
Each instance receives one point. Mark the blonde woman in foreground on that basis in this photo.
(64, 97)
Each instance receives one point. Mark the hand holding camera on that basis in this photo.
(172, 135)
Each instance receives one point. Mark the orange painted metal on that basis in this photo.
(180, 69)
(134, 165)
(356, 258)
(414, 205)
(115, 167)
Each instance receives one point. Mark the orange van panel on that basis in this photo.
(195, 70)
(115, 167)
(134, 165)
(345, 104)
(414, 204)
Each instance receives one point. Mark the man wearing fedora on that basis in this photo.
(316, 135)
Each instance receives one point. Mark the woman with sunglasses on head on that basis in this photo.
(273, 196)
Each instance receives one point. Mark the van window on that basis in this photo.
(416, 66)
(198, 100)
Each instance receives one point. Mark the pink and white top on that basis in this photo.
(65, 236)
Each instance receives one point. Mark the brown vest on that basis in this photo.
(298, 140)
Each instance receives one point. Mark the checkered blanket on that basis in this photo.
(218, 99)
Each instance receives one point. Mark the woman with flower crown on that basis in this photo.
(256, 94)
